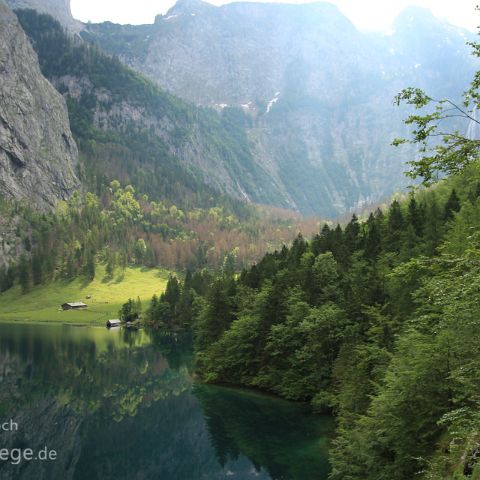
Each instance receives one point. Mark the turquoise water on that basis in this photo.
(122, 404)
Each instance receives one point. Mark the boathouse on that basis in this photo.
(113, 323)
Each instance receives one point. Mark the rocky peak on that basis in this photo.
(413, 18)
(58, 9)
(37, 152)
(189, 7)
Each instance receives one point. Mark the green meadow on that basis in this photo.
(106, 295)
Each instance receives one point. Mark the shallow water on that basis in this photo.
(122, 404)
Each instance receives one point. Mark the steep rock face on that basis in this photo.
(37, 152)
(161, 137)
(244, 52)
(58, 9)
(201, 148)
(318, 92)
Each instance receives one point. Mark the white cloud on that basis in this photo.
(366, 14)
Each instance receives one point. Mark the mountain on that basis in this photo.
(315, 92)
(287, 105)
(163, 182)
(58, 9)
(130, 130)
(38, 154)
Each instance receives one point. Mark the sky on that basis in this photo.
(367, 15)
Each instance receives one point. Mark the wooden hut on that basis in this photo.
(74, 306)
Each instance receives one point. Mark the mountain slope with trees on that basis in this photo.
(375, 321)
(128, 129)
(317, 92)
(144, 199)
(304, 116)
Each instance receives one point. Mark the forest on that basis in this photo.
(375, 321)
(123, 227)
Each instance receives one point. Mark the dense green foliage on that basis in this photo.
(174, 308)
(376, 321)
(122, 227)
(130, 311)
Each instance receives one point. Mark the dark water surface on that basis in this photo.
(122, 404)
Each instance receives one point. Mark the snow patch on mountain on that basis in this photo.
(272, 102)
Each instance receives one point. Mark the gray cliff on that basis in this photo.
(58, 9)
(38, 155)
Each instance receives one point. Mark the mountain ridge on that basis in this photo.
(114, 105)
(305, 95)
(316, 91)
(58, 9)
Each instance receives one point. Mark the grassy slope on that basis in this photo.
(42, 303)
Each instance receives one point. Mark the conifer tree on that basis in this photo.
(326, 279)
(372, 238)
(24, 274)
(394, 228)
(172, 294)
(433, 227)
(37, 269)
(215, 318)
(90, 265)
(452, 205)
(415, 217)
(7, 278)
(352, 234)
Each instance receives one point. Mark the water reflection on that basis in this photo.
(282, 438)
(122, 404)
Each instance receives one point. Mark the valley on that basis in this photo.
(288, 208)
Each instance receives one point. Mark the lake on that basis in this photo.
(91, 403)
